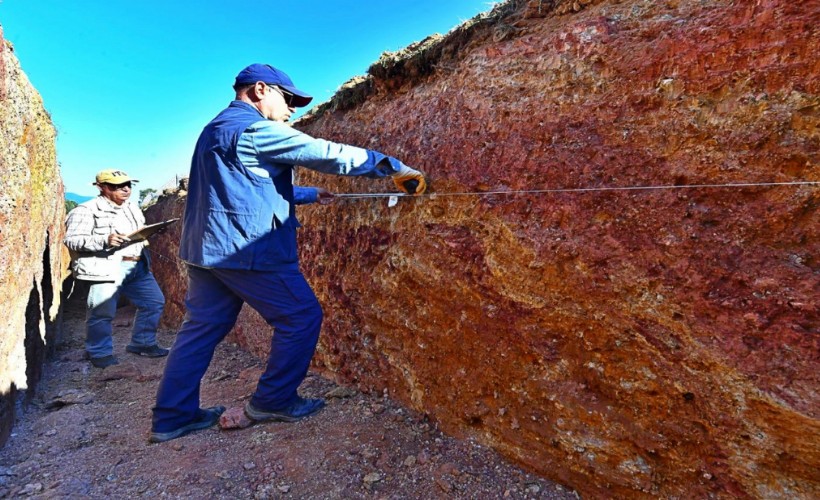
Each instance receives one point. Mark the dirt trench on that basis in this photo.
(85, 436)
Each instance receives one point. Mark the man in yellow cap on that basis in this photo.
(102, 254)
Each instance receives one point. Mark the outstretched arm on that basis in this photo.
(273, 146)
(305, 195)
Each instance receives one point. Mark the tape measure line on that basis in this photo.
(585, 190)
(560, 190)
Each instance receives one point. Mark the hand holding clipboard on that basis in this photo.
(144, 232)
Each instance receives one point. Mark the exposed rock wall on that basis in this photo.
(32, 257)
(169, 271)
(627, 343)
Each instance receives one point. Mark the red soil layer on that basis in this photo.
(626, 343)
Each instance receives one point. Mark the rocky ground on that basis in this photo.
(85, 435)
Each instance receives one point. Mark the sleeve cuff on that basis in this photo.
(305, 195)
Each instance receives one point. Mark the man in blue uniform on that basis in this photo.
(239, 240)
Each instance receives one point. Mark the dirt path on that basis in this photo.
(85, 435)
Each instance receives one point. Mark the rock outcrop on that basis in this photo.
(658, 343)
(32, 257)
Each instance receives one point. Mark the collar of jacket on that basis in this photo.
(105, 205)
(242, 104)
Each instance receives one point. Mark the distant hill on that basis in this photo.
(77, 197)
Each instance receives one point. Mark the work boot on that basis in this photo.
(149, 351)
(205, 418)
(104, 361)
(300, 409)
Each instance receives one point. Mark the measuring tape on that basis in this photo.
(581, 190)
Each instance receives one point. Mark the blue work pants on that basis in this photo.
(215, 297)
(138, 284)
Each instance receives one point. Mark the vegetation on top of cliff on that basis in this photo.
(415, 61)
(419, 59)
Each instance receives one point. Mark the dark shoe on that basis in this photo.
(104, 361)
(205, 419)
(297, 411)
(149, 351)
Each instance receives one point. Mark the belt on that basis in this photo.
(131, 259)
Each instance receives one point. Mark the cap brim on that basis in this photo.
(300, 99)
(95, 183)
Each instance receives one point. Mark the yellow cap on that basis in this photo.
(113, 176)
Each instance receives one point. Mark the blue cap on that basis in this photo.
(272, 76)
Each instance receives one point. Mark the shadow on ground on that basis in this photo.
(85, 435)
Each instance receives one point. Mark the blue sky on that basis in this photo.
(130, 84)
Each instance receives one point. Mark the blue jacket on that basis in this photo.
(240, 208)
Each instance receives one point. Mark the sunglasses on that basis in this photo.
(117, 187)
(285, 94)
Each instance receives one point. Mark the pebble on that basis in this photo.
(445, 485)
(249, 466)
(410, 461)
(449, 468)
(373, 477)
(32, 488)
(284, 488)
(341, 392)
(119, 372)
(70, 398)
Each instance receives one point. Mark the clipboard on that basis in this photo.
(143, 233)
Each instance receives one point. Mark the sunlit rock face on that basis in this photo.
(627, 343)
(32, 258)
